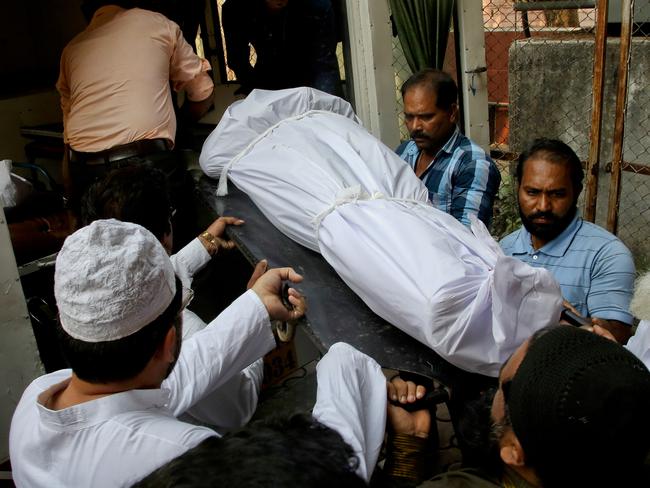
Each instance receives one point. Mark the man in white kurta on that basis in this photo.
(68, 431)
(139, 195)
(234, 402)
(299, 451)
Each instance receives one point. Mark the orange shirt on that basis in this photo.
(114, 79)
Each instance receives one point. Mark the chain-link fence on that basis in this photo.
(540, 65)
(634, 206)
(546, 59)
(402, 72)
(539, 69)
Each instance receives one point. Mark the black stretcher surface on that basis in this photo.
(335, 313)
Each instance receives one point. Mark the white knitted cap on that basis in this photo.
(112, 278)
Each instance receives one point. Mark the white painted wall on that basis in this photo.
(19, 359)
(370, 68)
(472, 58)
(373, 77)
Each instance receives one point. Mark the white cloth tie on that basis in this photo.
(222, 189)
(351, 194)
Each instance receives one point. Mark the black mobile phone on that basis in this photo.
(574, 318)
(284, 296)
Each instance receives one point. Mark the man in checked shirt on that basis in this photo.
(460, 176)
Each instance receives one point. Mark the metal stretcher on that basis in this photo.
(335, 313)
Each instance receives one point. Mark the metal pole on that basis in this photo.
(619, 124)
(598, 84)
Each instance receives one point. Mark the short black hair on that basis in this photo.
(440, 82)
(285, 452)
(138, 194)
(556, 152)
(122, 359)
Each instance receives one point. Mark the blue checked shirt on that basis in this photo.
(593, 267)
(461, 179)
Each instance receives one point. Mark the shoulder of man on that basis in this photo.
(42, 383)
(143, 12)
(403, 147)
(150, 18)
(508, 241)
(600, 237)
(471, 150)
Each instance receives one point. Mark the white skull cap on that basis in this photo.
(111, 279)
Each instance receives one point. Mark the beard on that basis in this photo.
(548, 230)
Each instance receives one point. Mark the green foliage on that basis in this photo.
(506, 213)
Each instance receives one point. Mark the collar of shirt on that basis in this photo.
(556, 248)
(93, 412)
(103, 15)
(450, 145)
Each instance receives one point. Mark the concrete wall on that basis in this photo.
(18, 353)
(550, 91)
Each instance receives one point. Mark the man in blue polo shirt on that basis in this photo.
(460, 176)
(593, 267)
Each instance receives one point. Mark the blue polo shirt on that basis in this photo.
(462, 179)
(593, 267)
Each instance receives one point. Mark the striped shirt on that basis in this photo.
(461, 179)
(593, 267)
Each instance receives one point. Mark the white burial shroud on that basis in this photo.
(305, 160)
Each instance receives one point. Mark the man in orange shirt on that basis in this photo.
(115, 92)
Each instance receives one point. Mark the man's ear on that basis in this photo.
(168, 241)
(454, 113)
(167, 350)
(512, 454)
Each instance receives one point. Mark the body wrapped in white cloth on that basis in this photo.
(304, 159)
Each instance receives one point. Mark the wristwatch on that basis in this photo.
(211, 241)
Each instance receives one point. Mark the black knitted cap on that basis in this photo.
(580, 407)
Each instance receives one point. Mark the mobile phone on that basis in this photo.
(573, 318)
(284, 296)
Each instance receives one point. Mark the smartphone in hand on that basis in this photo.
(573, 318)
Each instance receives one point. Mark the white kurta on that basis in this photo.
(187, 262)
(232, 404)
(639, 343)
(331, 186)
(351, 399)
(118, 439)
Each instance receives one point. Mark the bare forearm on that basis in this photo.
(196, 110)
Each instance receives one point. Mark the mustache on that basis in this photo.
(544, 215)
(418, 134)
